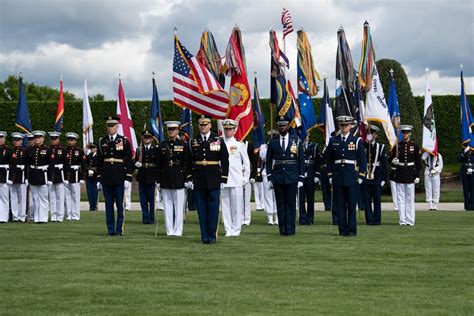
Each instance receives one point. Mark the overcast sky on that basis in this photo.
(100, 39)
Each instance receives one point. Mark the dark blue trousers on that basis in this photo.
(372, 193)
(285, 195)
(326, 190)
(207, 202)
(191, 200)
(360, 197)
(468, 190)
(92, 194)
(306, 194)
(346, 197)
(114, 194)
(147, 202)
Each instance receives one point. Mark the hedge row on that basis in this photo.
(42, 114)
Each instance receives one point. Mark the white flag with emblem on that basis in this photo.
(430, 140)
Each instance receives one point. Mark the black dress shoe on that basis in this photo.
(111, 234)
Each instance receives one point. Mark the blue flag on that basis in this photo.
(466, 118)
(258, 133)
(394, 109)
(156, 123)
(187, 123)
(22, 115)
(308, 118)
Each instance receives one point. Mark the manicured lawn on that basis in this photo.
(74, 268)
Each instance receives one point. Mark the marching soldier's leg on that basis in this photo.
(301, 205)
(257, 194)
(393, 190)
(43, 204)
(235, 207)
(76, 199)
(60, 194)
(310, 188)
(365, 189)
(377, 198)
(168, 210)
(128, 197)
(31, 205)
(14, 202)
(334, 206)
(401, 203)
(109, 196)
(22, 198)
(410, 206)
(4, 202)
(226, 214)
(179, 211)
(351, 210)
(291, 209)
(429, 190)
(268, 201)
(436, 191)
(213, 214)
(201, 205)
(275, 209)
(341, 204)
(151, 202)
(470, 179)
(281, 205)
(68, 197)
(142, 192)
(53, 203)
(119, 192)
(246, 192)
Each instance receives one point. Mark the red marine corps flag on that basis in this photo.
(240, 99)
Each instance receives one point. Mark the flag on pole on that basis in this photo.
(376, 109)
(22, 114)
(210, 58)
(307, 87)
(125, 124)
(58, 122)
(430, 138)
(258, 134)
(194, 87)
(240, 98)
(156, 123)
(345, 79)
(394, 109)
(287, 22)
(466, 118)
(87, 122)
(187, 123)
(325, 119)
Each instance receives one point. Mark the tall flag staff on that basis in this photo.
(467, 123)
(394, 110)
(287, 23)
(125, 124)
(22, 114)
(58, 122)
(430, 137)
(87, 121)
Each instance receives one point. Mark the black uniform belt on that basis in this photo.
(148, 165)
(112, 160)
(206, 163)
(286, 162)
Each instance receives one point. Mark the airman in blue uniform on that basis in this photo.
(467, 177)
(345, 152)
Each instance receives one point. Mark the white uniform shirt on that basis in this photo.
(239, 163)
(433, 162)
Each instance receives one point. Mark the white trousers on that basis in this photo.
(406, 203)
(73, 201)
(18, 201)
(39, 195)
(128, 197)
(432, 189)
(258, 195)
(270, 202)
(56, 202)
(159, 205)
(31, 205)
(174, 203)
(4, 202)
(246, 215)
(231, 204)
(393, 189)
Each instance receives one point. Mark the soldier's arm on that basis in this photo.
(83, 164)
(100, 160)
(188, 162)
(246, 162)
(318, 159)
(328, 155)
(301, 162)
(269, 160)
(128, 160)
(383, 163)
(224, 159)
(361, 158)
(50, 165)
(417, 161)
(440, 163)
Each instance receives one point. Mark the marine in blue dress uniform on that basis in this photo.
(115, 166)
(210, 170)
(467, 177)
(313, 161)
(375, 178)
(285, 170)
(91, 177)
(345, 152)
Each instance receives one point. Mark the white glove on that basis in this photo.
(26, 182)
(469, 170)
(382, 183)
(157, 186)
(330, 181)
(49, 183)
(300, 184)
(417, 180)
(252, 180)
(467, 149)
(359, 180)
(138, 164)
(395, 161)
(99, 187)
(81, 181)
(316, 180)
(189, 185)
(269, 186)
(222, 186)
(127, 184)
(9, 182)
(66, 182)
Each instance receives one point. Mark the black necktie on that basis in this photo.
(343, 140)
(283, 143)
(204, 138)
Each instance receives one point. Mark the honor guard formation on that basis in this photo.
(41, 183)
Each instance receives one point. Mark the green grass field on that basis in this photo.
(75, 268)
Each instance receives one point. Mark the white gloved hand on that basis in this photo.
(382, 183)
(252, 180)
(99, 187)
(395, 161)
(467, 149)
(417, 180)
(26, 182)
(49, 183)
(81, 181)
(330, 181)
(222, 186)
(9, 182)
(469, 170)
(189, 185)
(66, 182)
(127, 184)
(269, 186)
(316, 180)
(359, 180)
(138, 164)
(158, 186)
(300, 184)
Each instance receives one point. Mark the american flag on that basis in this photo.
(194, 87)
(287, 22)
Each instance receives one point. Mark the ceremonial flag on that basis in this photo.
(156, 122)
(430, 138)
(125, 124)
(376, 109)
(466, 118)
(87, 122)
(345, 79)
(240, 99)
(325, 119)
(307, 87)
(394, 109)
(258, 134)
(187, 123)
(58, 122)
(22, 115)
(287, 22)
(194, 87)
(210, 58)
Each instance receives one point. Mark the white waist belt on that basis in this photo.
(75, 167)
(59, 166)
(406, 164)
(351, 162)
(44, 168)
(5, 166)
(22, 167)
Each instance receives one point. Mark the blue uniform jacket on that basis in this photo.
(285, 167)
(380, 172)
(343, 158)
